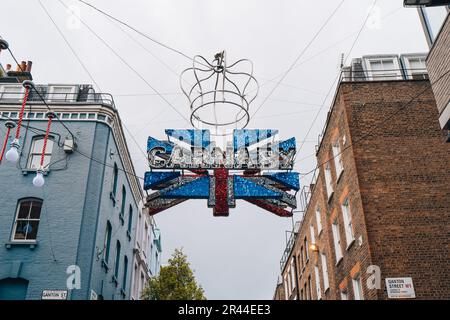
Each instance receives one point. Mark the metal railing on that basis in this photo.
(350, 75)
(60, 98)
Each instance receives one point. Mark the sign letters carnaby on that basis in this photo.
(188, 165)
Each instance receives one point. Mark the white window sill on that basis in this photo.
(330, 196)
(15, 243)
(339, 260)
(350, 244)
(339, 175)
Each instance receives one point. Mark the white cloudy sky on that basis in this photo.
(235, 257)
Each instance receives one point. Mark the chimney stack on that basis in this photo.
(29, 65)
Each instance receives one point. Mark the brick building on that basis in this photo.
(435, 18)
(381, 196)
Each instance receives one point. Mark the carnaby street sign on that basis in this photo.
(188, 165)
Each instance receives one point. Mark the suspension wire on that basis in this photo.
(127, 64)
(69, 45)
(136, 30)
(300, 55)
(337, 77)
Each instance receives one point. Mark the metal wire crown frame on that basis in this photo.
(219, 94)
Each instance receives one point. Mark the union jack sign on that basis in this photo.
(255, 166)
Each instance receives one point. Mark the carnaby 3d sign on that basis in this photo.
(254, 166)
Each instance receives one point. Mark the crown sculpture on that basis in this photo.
(251, 164)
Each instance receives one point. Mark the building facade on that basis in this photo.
(147, 253)
(435, 19)
(378, 208)
(74, 238)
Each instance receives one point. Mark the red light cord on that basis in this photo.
(24, 102)
(8, 131)
(45, 140)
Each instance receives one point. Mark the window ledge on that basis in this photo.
(11, 244)
(113, 198)
(114, 280)
(123, 293)
(26, 171)
(122, 219)
(339, 260)
(330, 196)
(350, 244)
(105, 265)
(128, 235)
(339, 175)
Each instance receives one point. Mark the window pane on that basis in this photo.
(49, 147)
(32, 230)
(47, 160)
(24, 210)
(20, 230)
(35, 161)
(38, 144)
(36, 210)
(436, 17)
(26, 230)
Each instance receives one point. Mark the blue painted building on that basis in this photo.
(75, 237)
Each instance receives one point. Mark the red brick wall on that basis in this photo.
(403, 173)
(396, 173)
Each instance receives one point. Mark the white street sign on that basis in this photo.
(54, 295)
(400, 288)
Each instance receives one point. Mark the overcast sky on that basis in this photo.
(235, 257)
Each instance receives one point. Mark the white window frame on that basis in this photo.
(317, 278)
(406, 59)
(319, 220)
(328, 180)
(19, 90)
(145, 239)
(326, 281)
(38, 153)
(348, 222)
(286, 289)
(311, 231)
(16, 220)
(357, 288)
(289, 282)
(70, 98)
(338, 161)
(374, 74)
(337, 241)
(344, 294)
(305, 243)
(293, 277)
